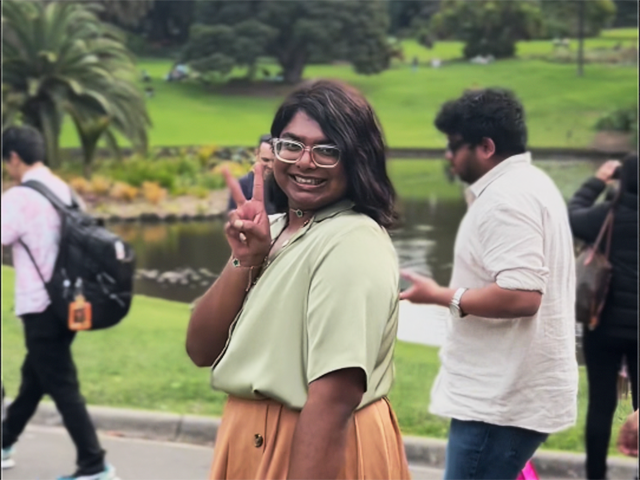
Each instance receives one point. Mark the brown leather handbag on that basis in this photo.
(593, 276)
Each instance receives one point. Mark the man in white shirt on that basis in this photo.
(508, 375)
(48, 367)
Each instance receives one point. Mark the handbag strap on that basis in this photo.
(607, 226)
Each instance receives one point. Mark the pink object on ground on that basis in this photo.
(528, 472)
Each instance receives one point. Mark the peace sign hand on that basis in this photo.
(248, 231)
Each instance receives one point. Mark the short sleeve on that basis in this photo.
(12, 221)
(353, 292)
(512, 242)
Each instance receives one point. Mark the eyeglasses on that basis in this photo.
(291, 151)
(453, 147)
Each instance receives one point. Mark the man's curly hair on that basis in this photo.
(493, 113)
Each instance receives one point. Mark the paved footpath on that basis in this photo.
(43, 453)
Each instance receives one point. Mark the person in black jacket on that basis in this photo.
(615, 339)
(264, 155)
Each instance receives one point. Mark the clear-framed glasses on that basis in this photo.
(290, 151)
(456, 145)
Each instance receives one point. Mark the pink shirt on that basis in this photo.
(28, 216)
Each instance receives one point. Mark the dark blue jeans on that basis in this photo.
(478, 450)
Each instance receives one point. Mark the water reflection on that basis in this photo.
(424, 242)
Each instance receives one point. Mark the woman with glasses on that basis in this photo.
(299, 329)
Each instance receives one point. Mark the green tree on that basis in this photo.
(293, 33)
(561, 19)
(626, 14)
(170, 20)
(404, 15)
(126, 13)
(59, 59)
(488, 27)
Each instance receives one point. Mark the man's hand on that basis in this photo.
(423, 290)
(606, 170)
(628, 437)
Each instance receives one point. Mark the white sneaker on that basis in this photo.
(7, 460)
(109, 473)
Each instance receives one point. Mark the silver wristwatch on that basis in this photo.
(454, 306)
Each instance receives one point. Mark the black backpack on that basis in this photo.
(90, 252)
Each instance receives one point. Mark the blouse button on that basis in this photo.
(258, 440)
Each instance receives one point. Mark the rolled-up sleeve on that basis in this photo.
(352, 294)
(512, 242)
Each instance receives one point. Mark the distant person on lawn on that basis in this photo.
(508, 375)
(48, 367)
(263, 155)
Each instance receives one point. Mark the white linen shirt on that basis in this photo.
(518, 372)
(30, 217)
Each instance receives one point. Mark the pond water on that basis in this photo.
(424, 243)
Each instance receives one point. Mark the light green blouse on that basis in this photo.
(327, 301)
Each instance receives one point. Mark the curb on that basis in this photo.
(201, 430)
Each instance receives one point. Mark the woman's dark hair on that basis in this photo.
(349, 122)
(493, 113)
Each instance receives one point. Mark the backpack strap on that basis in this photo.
(62, 208)
(24, 245)
(43, 190)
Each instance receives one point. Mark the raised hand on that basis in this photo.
(247, 230)
(607, 169)
(628, 436)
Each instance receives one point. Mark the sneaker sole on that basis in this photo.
(8, 464)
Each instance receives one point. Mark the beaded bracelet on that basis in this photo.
(236, 264)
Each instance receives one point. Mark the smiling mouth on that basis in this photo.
(307, 181)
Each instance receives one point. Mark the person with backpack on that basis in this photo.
(31, 225)
(614, 339)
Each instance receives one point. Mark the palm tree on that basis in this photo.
(59, 59)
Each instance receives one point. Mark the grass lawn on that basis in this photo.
(561, 108)
(142, 364)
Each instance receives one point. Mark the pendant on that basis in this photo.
(299, 213)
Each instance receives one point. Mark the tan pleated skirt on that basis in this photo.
(254, 442)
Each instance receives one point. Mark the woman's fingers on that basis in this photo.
(258, 183)
(248, 228)
(234, 188)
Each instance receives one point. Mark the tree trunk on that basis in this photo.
(251, 71)
(581, 7)
(294, 67)
(89, 144)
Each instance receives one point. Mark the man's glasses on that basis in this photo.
(453, 147)
(290, 151)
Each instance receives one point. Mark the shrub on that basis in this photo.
(153, 192)
(206, 153)
(100, 185)
(213, 181)
(620, 120)
(123, 192)
(80, 185)
(199, 191)
(136, 171)
(237, 169)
